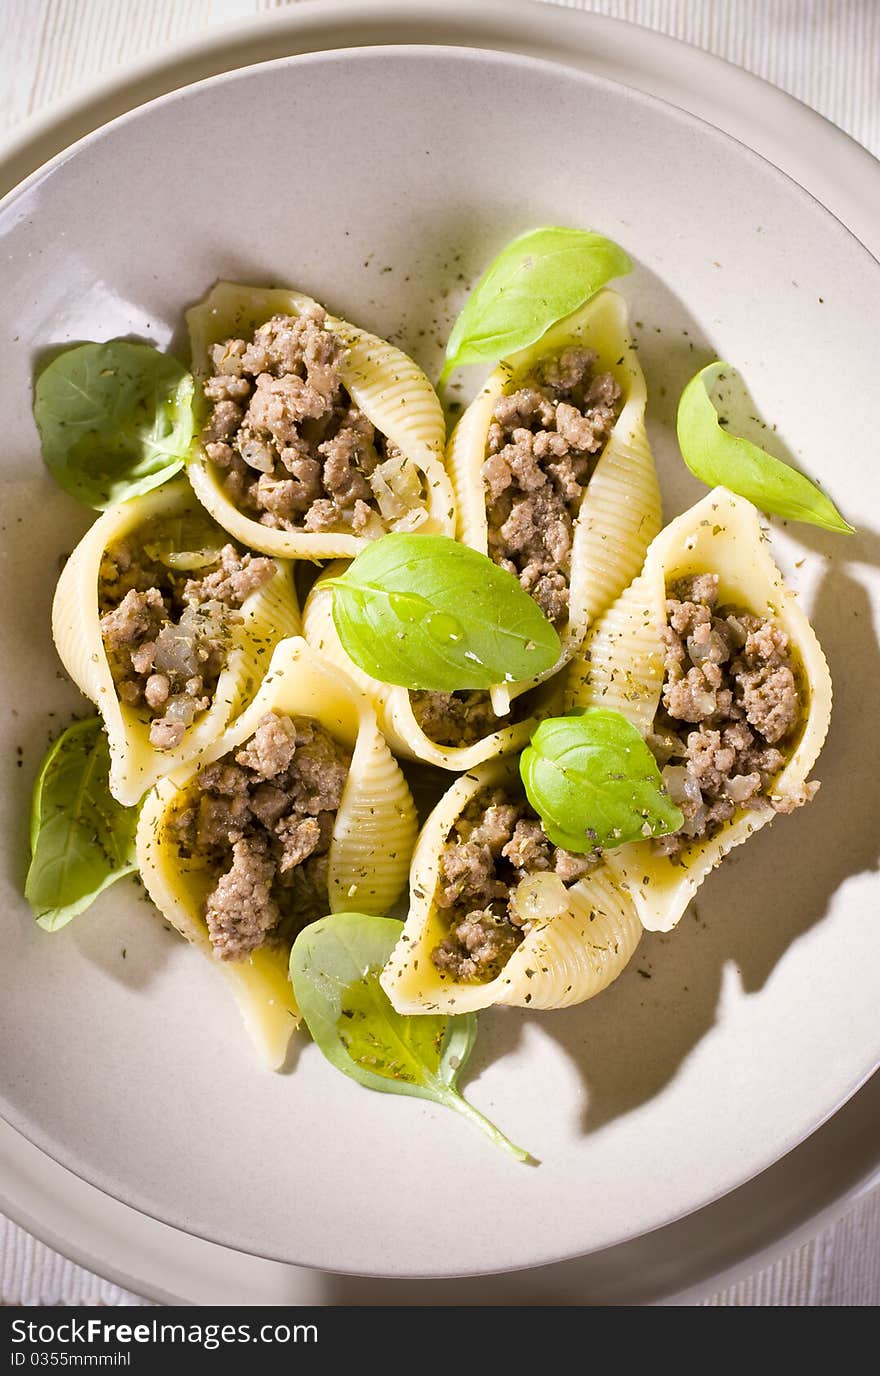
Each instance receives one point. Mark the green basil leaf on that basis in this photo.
(594, 783)
(335, 965)
(82, 840)
(426, 612)
(721, 459)
(115, 420)
(538, 279)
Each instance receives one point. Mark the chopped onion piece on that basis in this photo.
(742, 787)
(182, 559)
(681, 785)
(665, 745)
(411, 521)
(374, 527)
(537, 899)
(714, 649)
(738, 631)
(397, 486)
(695, 825)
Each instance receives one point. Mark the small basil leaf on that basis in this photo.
(538, 279)
(335, 966)
(428, 613)
(82, 840)
(115, 420)
(594, 783)
(721, 459)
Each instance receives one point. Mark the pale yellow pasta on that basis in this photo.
(267, 616)
(621, 667)
(393, 704)
(390, 389)
(619, 513)
(579, 943)
(373, 835)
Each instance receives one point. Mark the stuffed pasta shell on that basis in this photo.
(455, 730)
(553, 474)
(168, 627)
(316, 436)
(500, 915)
(297, 811)
(711, 658)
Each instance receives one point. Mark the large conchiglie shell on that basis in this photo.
(620, 510)
(384, 382)
(567, 959)
(267, 616)
(373, 835)
(621, 667)
(393, 704)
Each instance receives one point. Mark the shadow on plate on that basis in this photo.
(125, 936)
(630, 1041)
(837, 1158)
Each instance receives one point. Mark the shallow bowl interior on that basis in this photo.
(382, 182)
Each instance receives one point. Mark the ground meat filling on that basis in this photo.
(298, 454)
(544, 441)
(456, 719)
(496, 842)
(166, 617)
(730, 700)
(263, 820)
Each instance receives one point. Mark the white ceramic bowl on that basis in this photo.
(123, 1057)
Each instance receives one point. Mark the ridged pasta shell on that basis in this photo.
(620, 510)
(370, 852)
(268, 615)
(392, 703)
(621, 667)
(386, 384)
(565, 961)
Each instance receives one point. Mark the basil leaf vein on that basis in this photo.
(539, 278)
(720, 459)
(426, 612)
(335, 965)
(82, 840)
(594, 783)
(115, 420)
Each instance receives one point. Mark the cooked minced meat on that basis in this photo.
(297, 452)
(496, 842)
(263, 820)
(462, 718)
(730, 699)
(456, 719)
(543, 444)
(166, 629)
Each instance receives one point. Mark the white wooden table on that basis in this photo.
(826, 52)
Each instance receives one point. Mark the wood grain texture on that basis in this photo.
(826, 52)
